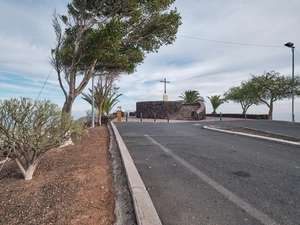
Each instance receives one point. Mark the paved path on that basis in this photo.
(147, 120)
(277, 127)
(195, 176)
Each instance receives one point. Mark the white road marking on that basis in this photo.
(218, 187)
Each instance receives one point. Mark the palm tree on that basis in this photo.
(191, 96)
(103, 102)
(109, 102)
(216, 101)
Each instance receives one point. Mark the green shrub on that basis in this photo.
(30, 128)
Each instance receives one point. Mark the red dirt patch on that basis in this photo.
(71, 185)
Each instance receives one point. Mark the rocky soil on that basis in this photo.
(71, 185)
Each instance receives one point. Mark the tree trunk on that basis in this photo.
(270, 117)
(29, 172)
(100, 113)
(67, 108)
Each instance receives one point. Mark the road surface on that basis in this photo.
(198, 176)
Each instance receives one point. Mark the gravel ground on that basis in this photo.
(71, 185)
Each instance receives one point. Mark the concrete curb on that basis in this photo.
(144, 209)
(252, 135)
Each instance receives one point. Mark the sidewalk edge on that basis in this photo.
(145, 211)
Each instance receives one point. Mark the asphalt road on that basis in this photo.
(198, 176)
(278, 127)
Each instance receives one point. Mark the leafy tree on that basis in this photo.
(271, 86)
(216, 101)
(108, 37)
(242, 95)
(28, 129)
(191, 96)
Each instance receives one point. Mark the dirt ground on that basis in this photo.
(71, 185)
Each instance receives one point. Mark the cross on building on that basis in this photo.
(165, 81)
(165, 97)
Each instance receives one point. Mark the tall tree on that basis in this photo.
(101, 36)
(216, 101)
(191, 96)
(271, 86)
(242, 95)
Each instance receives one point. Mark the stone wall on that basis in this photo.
(201, 111)
(185, 113)
(161, 108)
(175, 109)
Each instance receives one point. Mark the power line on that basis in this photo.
(52, 91)
(231, 43)
(44, 84)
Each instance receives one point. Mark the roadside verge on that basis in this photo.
(253, 135)
(144, 209)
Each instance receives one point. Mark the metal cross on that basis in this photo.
(165, 81)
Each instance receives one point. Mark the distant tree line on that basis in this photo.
(264, 89)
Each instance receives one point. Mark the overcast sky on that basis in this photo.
(219, 45)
